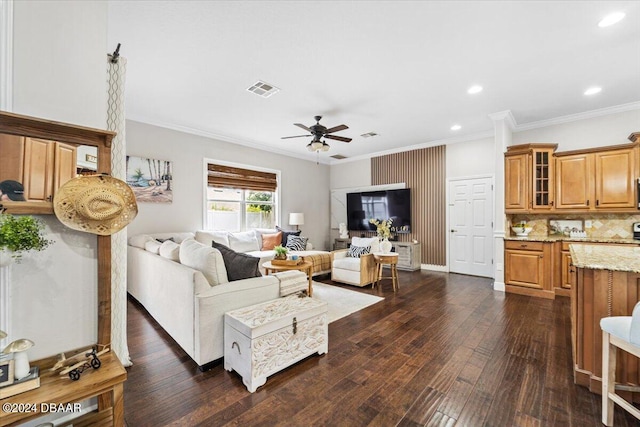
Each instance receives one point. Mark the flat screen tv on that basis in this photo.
(381, 205)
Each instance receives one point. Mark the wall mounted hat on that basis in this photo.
(98, 204)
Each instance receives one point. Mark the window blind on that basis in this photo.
(245, 179)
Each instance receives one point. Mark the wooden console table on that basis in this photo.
(55, 390)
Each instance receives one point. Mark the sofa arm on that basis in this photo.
(211, 305)
(340, 253)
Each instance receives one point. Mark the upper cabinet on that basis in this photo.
(602, 179)
(529, 178)
(538, 179)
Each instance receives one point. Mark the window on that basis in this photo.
(240, 199)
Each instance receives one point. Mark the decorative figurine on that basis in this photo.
(344, 233)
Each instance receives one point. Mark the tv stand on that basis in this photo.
(409, 255)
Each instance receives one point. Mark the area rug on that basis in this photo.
(342, 302)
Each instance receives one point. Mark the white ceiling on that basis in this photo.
(400, 69)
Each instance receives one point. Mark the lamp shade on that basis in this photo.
(296, 219)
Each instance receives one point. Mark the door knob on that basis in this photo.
(453, 231)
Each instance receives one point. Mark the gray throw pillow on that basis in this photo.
(239, 266)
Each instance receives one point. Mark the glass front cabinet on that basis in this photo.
(529, 174)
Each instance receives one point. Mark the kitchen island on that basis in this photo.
(608, 284)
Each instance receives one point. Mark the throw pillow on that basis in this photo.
(206, 259)
(139, 240)
(367, 241)
(206, 237)
(296, 243)
(239, 266)
(171, 250)
(244, 241)
(286, 234)
(270, 241)
(152, 246)
(358, 251)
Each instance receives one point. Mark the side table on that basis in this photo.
(390, 259)
(305, 267)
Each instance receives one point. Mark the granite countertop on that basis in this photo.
(615, 258)
(627, 241)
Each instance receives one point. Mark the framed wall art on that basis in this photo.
(150, 179)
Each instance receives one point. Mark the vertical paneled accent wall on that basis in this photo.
(424, 172)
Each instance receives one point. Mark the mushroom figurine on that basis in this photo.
(19, 349)
(3, 334)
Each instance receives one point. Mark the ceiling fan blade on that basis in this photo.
(337, 128)
(297, 136)
(300, 125)
(338, 138)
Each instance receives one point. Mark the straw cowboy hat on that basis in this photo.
(98, 204)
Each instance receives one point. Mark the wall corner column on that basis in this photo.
(503, 123)
(6, 55)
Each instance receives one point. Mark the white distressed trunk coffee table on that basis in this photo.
(265, 338)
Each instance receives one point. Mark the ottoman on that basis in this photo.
(265, 338)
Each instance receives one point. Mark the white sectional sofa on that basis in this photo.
(189, 302)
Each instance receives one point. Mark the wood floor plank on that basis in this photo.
(445, 350)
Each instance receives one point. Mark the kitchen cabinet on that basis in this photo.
(39, 164)
(528, 268)
(597, 180)
(529, 178)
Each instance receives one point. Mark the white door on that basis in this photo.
(471, 227)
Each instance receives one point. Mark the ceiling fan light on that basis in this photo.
(309, 147)
(316, 145)
(325, 146)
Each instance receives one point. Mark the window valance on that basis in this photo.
(245, 179)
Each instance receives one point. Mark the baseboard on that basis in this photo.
(499, 286)
(433, 267)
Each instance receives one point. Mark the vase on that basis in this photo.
(385, 246)
(6, 258)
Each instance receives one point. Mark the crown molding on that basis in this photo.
(579, 116)
(224, 138)
(6, 55)
(505, 116)
(448, 141)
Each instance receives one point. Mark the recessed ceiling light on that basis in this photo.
(456, 127)
(474, 89)
(593, 90)
(611, 19)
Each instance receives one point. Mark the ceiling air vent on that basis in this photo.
(369, 135)
(263, 89)
(338, 156)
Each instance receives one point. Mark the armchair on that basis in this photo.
(355, 271)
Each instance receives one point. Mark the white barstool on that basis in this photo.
(617, 332)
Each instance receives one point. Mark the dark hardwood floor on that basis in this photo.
(445, 350)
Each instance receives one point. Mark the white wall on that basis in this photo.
(59, 71)
(304, 184)
(350, 174)
(470, 158)
(601, 131)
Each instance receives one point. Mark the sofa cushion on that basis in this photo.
(358, 251)
(152, 246)
(139, 240)
(206, 237)
(244, 241)
(177, 236)
(347, 263)
(170, 249)
(206, 259)
(296, 243)
(270, 241)
(367, 241)
(286, 234)
(239, 265)
(262, 231)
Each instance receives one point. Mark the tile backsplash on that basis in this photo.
(610, 226)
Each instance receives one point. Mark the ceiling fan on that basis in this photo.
(319, 131)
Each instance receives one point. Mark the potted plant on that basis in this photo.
(19, 234)
(281, 252)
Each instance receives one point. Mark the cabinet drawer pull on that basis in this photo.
(541, 256)
(587, 203)
(597, 202)
(523, 246)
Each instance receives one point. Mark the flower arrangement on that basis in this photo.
(22, 233)
(382, 227)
